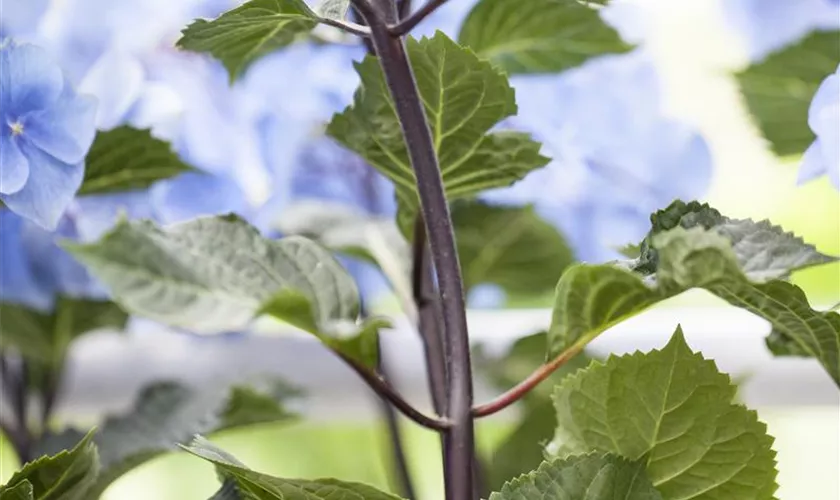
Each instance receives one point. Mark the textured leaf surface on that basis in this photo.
(511, 247)
(256, 486)
(778, 90)
(591, 298)
(67, 475)
(583, 477)
(671, 410)
(125, 159)
(463, 97)
(45, 337)
(239, 37)
(538, 36)
(333, 9)
(21, 491)
(166, 414)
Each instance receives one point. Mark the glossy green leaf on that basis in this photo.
(463, 97)
(67, 475)
(21, 491)
(45, 337)
(511, 247)
(256, 486)
(672, 410)
(126, 159)
(582, 477)
(538, 36)
(166, 414)
(240, 36)
(778, 90)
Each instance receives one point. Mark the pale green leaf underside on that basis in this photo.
(239, 37)
(333, 9)
(672, 410)
(256, 486)
(463, 97)
(538, 36)
(125, 159)
(582, 477)
(592, 298)
(778, 90)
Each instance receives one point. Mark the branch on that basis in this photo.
(408, 24)
(520, 390)
(386, 392)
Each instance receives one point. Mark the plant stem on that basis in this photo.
(520, 390)
(394, 61)
(413, 20)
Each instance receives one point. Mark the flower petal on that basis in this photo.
(66, 129)
(195, 194)
(116, 80)
(17, 284)
(29, 79)
(50, 190)
(813, 165)
(14, 168)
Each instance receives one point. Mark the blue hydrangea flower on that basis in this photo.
(823, 156)
(47, 129)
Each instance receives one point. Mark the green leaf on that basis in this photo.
(538, 36)
(583, 477)
(778, 90)
(511, 247)
(45, 337)
(166, 414)
(215, 274)
(763, 251)
(672, 410)
(67, 475)
(21, 491)
(240, 36)
(126, 159)
(256, 486)
(463, 97)
(333, 9)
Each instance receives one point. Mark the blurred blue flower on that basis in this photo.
(769, 25)
(823, 156)
(616, 156)
(47, 129)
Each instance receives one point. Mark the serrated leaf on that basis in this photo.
(511, 247)
(538, 36)
(781, 345)
(764, 251)
(778, 90)
(333, 9)
(215, 274)
(166, 414)
(463, 98)
(582, 477)
(256, 486)
(45, 337)
(21, 491)
(672, 410)
(67, 475)
(240, 36)
(592, 298)
(126, 159)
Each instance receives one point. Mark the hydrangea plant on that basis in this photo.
(288, 162)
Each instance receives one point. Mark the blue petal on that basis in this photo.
(50, 190)
(17, 284)
(66, 129)
(812, 163)
(116, 80)
(14, 168)
(29, 79)
(195, 194)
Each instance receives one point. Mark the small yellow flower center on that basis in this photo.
(17, 128)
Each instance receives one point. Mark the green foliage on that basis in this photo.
(671, 410)
(21, 491)
(45, 337)
(333, 9)
(215, 274)
(67, 475)
(582, 477)
(166, 414)
(239, 37)
(255, 486)
(511, 247)
(538, 36)
(463, 97)
(125, 159)
(778, 90)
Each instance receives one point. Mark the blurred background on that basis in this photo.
(627, 133)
